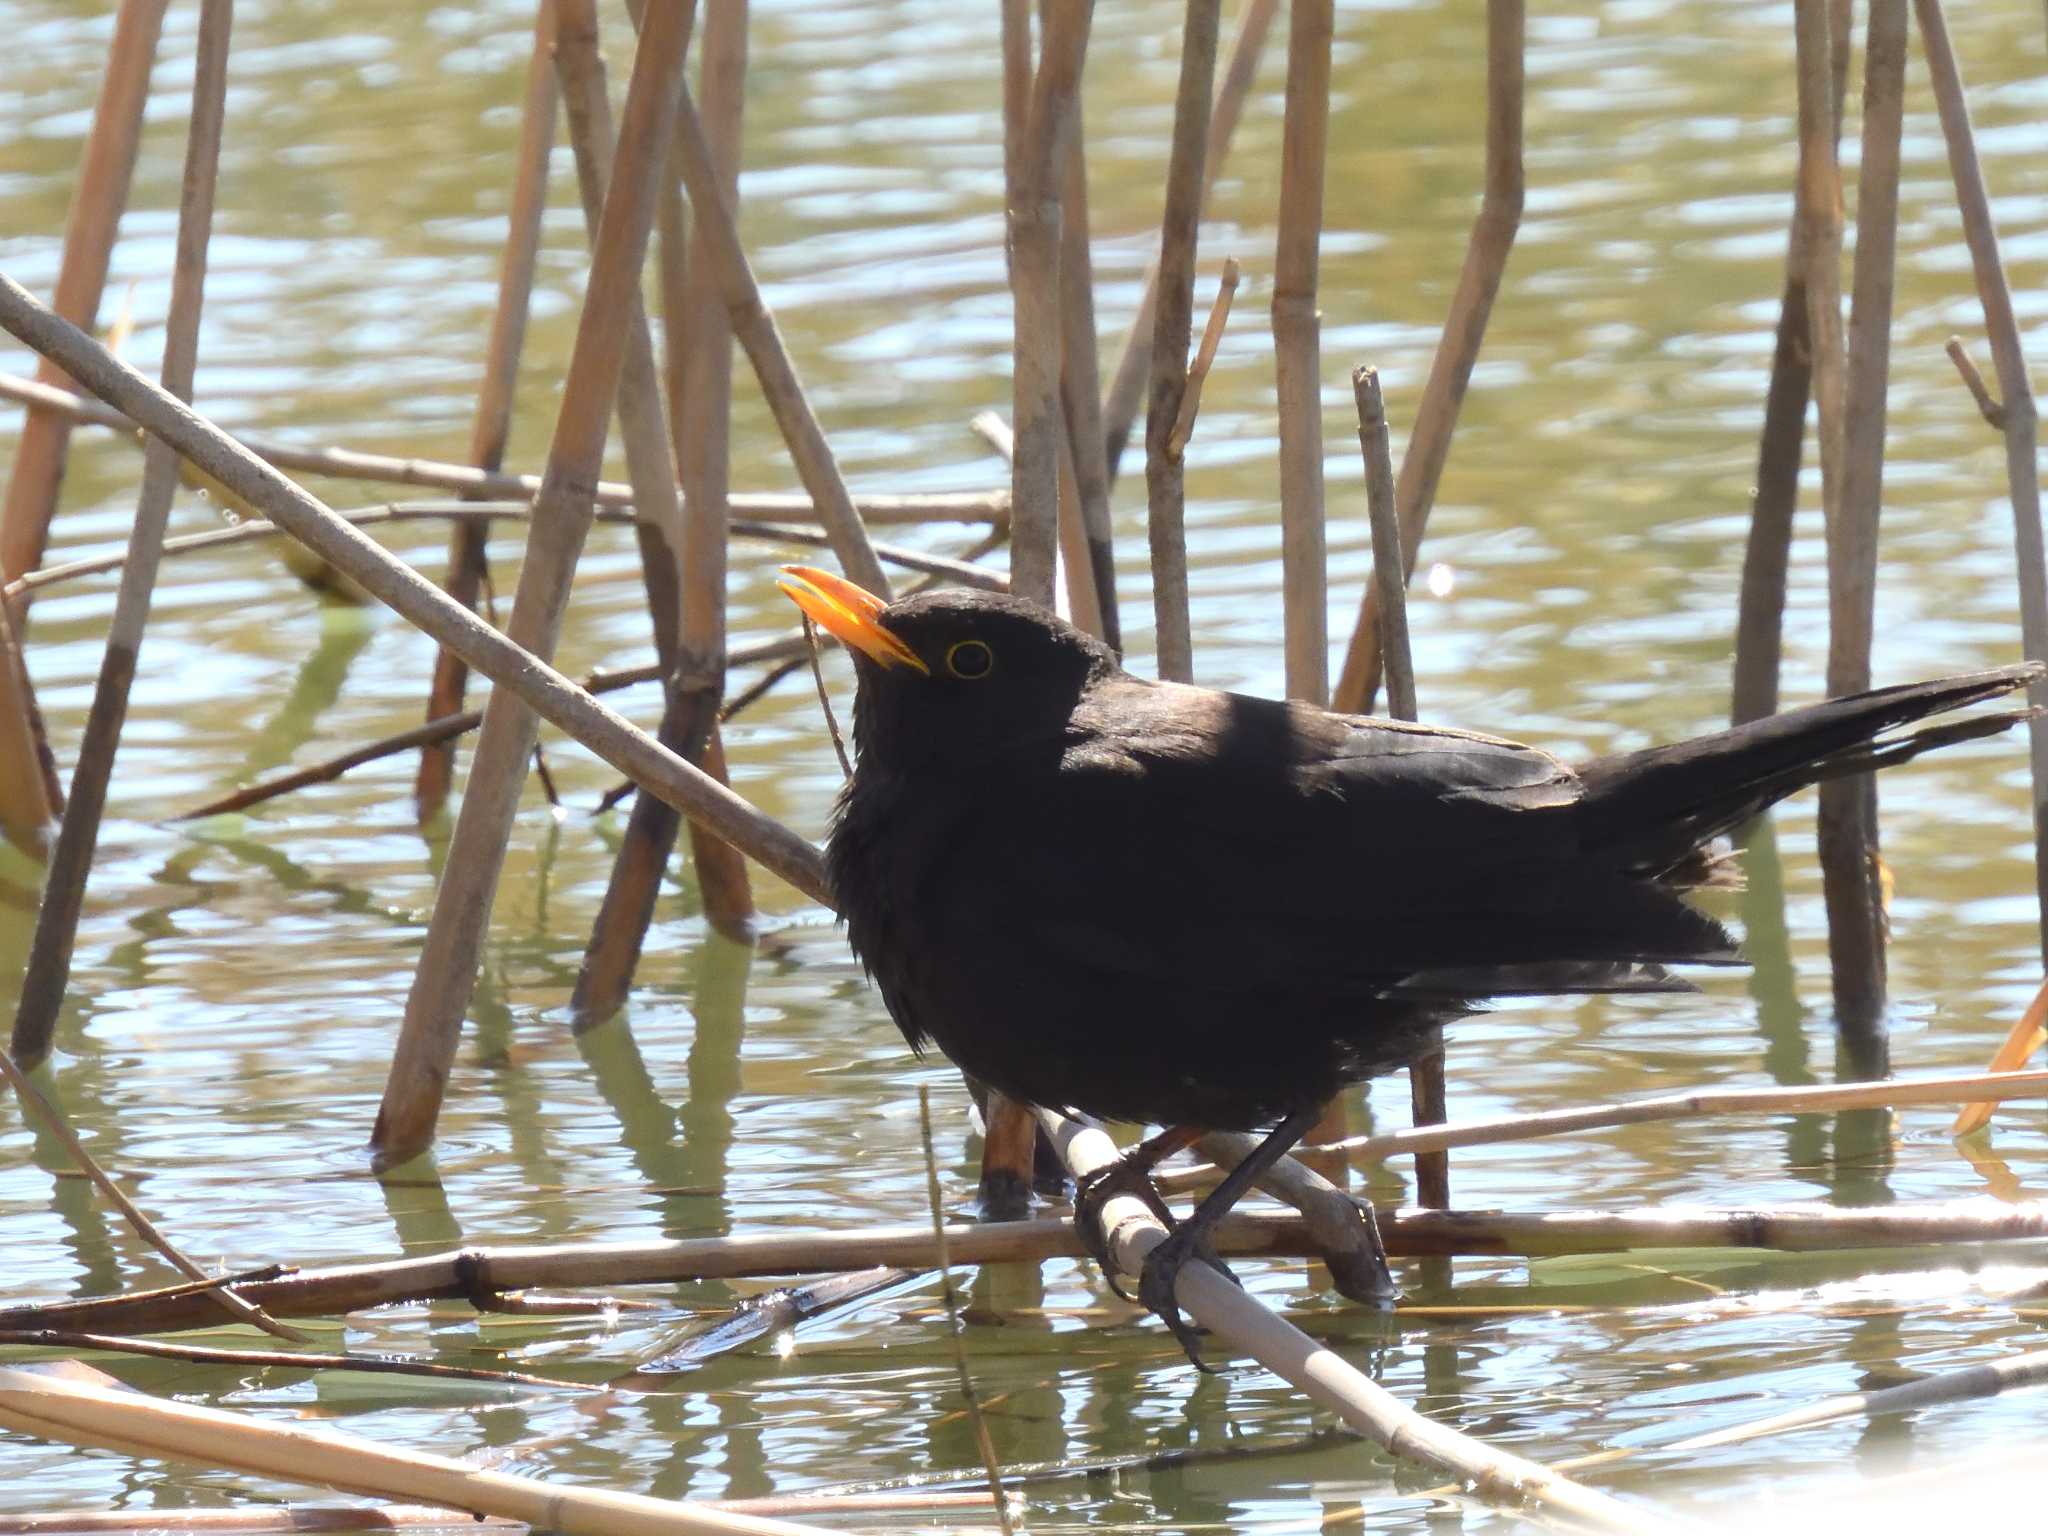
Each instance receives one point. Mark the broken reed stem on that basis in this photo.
(961, 571)
(216, 1296)
(1127, 389)
(350, 464)
(1345, 1243)
(1892, 1094)
(1436, 418)
(1172, 294)
(2018, 418)
(1205, 359)
(700, 418)
(1987, 404)
(467, 541)
(1093, 586)
(1035, 284)
(87, 1413)
(267, 1519)
(104, 174)
(1297, 351)
(1850, 871)
(2027, 1035)
(482, 1271)
(982, 1441)
(1333, 1382)
(1386, 541)
(447, 968)
(48, 972)
(388, 579)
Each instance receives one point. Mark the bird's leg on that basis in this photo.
(1130, 1174)
(1190, 1239)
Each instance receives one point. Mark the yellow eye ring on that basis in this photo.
(970, 659)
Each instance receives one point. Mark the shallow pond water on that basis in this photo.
(238, 981)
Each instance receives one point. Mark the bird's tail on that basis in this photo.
(1658, 806)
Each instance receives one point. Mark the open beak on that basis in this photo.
(847, 613)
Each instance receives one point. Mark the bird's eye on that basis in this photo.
(970, 659)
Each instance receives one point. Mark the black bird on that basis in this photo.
(1176, 906)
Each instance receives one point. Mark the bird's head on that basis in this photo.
(954, 674)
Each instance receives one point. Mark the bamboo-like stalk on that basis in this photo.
(85, 1413)
(1346, 1244)
(468, 541)
(29, 793)
(701, 427)
(479, 1271)
(1850, 805)
(2019, 419)
(643, 423)
(1035, 216)
(1486, 259)
(1333, 1382)
(517, 670)
(1172, 323)
(1083, 607)
(446, 974)
(696, 682)
(753, 326)
(1760, 605)
(48, 972)
(1891, 1094)
(97, 201)
(963, 572)
(1297, 351)
(280, 1359)
(1127, 389)
(1093, 587)
(350, 464)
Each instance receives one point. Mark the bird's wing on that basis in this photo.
(1316, 852)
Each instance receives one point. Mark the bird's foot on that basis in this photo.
(1162, 1272)
(1093, 1191)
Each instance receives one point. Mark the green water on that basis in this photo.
(238, 983)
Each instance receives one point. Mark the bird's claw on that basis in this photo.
(1162, 1272)
(1092, 1192)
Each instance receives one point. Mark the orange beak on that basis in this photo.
(847, 613)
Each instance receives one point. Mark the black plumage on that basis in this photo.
(1168, 904)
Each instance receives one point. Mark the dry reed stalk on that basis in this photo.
(962, 571)
(1204, 359)
(446, 975)
(2027, 1035)
(1345, 1243)
(643, 423)
(212, 1294)
(1333, 1382)
(1297, 350)
(2018, 418)
(1760, 606)
(753, 326)
(1848, 807)
(468, 542)
(1426, 1087)
(350, 464)
(1081, 458)
(1034, 216)
(279, 1359)
(1083, 607)
(30, 796)
(1891, 1094)
(695, 681)
(1172, 323)
(479, 1272)
(48, 972)
(81, 1413)
(97, 200)
(1127, 389)
(392, 582)
(1436, 418)
(700, 423)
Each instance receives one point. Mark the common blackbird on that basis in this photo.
(1171, 905)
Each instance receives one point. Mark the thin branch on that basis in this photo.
(1987, 405)
(1205, 358)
